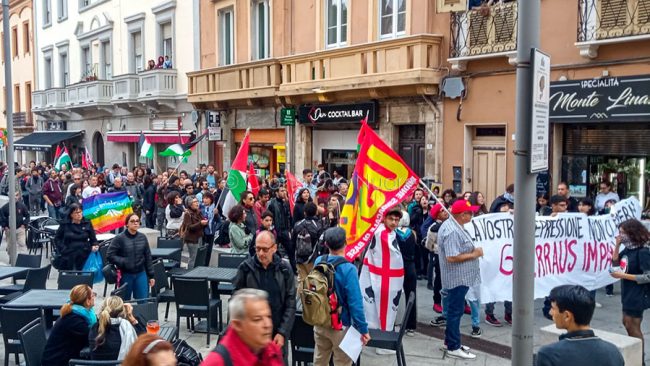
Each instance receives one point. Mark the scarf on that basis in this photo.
(509, 197)
(127, 335)
(403, 232)
(628, 244)
(87, 314)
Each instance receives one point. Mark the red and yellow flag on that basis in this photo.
(380, 181)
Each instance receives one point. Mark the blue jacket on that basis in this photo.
(348, 293)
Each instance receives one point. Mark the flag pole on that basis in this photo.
(438, 200)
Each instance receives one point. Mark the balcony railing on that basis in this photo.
(479, 33)
(158, 83)
(612, 19)
(39, 99)
(55, 98)
(257, 79)
(20, 119)
(126, 88)
(90, 93)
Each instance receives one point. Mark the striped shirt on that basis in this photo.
(453, 242)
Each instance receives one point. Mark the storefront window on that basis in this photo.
(260, 156)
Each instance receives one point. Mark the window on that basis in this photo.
(86, 62)
(62, 7)
(137, 58)
(166, 40)
(227, 37)
(84, 3)
(47, 12)
(260, 29)
(107, 71)
(28, 102)
(17, 98)
(47, 65)
(392, 18)
(14, 42)
(337, 23)
(26, 47)
(64, 69)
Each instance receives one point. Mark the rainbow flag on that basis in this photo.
(107, 211)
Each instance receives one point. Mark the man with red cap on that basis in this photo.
(459, 269)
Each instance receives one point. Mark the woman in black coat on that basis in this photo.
(299, 208)
(75, 239)
(130, 252)
(149, 201)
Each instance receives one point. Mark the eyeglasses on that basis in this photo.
(77, 212)
(135, 221)
(77, 179)
(251, 198)
(264, 249)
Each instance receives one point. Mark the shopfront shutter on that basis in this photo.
(446, 6)
(628, 141)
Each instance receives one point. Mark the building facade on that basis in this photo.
(21, 39)
(303, 74)
(600, 99)
(96, 84)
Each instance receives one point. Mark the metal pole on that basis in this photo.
(11, 178)
(524, 230)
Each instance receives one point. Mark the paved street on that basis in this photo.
(493, 348)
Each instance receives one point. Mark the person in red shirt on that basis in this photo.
(248, 339)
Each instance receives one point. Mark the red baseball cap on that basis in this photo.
(461, 206)
(435, 210)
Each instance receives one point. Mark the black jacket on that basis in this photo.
(149, 198)
(298, 211)
(497, 203)
(22, 215)
(110, 349)
(251, 219)
(68, 337)
(72, 237)
(279, 282)
(281, 215)
(131, 253)
(314, 228)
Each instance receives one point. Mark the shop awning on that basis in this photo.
(44, 140)
(155, 137)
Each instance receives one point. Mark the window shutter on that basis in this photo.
(446, 6)
(613, 18)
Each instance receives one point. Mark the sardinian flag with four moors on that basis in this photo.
(381, 280)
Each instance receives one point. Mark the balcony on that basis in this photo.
(55, 99)
(39, 99)
(392, 68)
(478, 34)
(236, 84)
(90, 96)
(125, 90)
(158, 88)
(603, 22)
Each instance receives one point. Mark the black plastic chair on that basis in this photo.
(161, 289)
(229, 260)
(13, 320)
(36, 280)
(302, 342)
(175, 261)
(76, 362)
(69, 279)
(29, 261)
(393, 340)
(145, 308)
(121, 292)
(32, 337)
(201, 256)
(103, 249)
(193, 300)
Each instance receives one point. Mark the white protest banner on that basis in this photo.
(570, 248)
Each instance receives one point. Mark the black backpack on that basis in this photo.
(222, 236)
(185, 354)
(304, 246)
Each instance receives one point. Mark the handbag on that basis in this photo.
(110, 273)
(185, 354)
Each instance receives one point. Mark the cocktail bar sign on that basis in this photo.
(611, 99)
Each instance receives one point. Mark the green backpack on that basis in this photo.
(317, 289)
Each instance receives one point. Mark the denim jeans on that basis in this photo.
(507, 308)
(137, 283)
(444, 293)
(475, 305)
(455, 310)
(52, 211)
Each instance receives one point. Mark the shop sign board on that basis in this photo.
(338, 113)
(213, 120)
(539, 143)
(607, 99)
(288, 117)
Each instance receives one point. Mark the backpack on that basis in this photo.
(304, 246)
(185, 354)
(225, 354)
(4, 186)
(318, 293)
(222, 237)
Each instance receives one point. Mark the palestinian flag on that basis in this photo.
(184, 150)
(64, 158)
(144, 147)
(57, 153)
(237, 182)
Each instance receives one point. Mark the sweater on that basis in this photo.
(68, 337)
(131, 253)
(581, 348)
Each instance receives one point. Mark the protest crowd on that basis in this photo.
(293, 234)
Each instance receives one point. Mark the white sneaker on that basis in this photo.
(463, 347)
(459, 353)
(599, 305)
(381, 351)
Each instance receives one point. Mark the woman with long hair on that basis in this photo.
(478, 199)
(174, 213)
(634, 273)
(150, 350)
(333, 211)
(299, 208)
(75, 239)
(115, 331)
(70, 333)
(240, 236)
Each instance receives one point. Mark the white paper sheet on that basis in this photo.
(351, 343)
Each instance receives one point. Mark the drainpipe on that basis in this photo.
(437, 124)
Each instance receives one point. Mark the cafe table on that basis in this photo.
(164, 253)
(48, 300)
(10, 271)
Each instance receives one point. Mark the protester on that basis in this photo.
(348, 293)
(448, 196)
(633, 269)
(417, 216)
(605, 194)
(249, 337)
(307, 182)
(70, 332)
(150, 350)
(542, 208)
(174, 213)
(306, 231)
(52, 194)
(92, 188)
(240, 236)
(191, 230)
(248, 202)
(267, 225)
(22, 222)
(115, 331)
(301, 200)
(118, 186)
(477, 199)
(408, 247)
(431, 244)
(130, 252)
(261, 204)
(73, 198)
(507, 197)
(459, 269)
(210, 212)
(572, 308)
(279, 206)
(268, 272)
(149, 201)
(564, 191)
(34, 187)
(75, 239)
